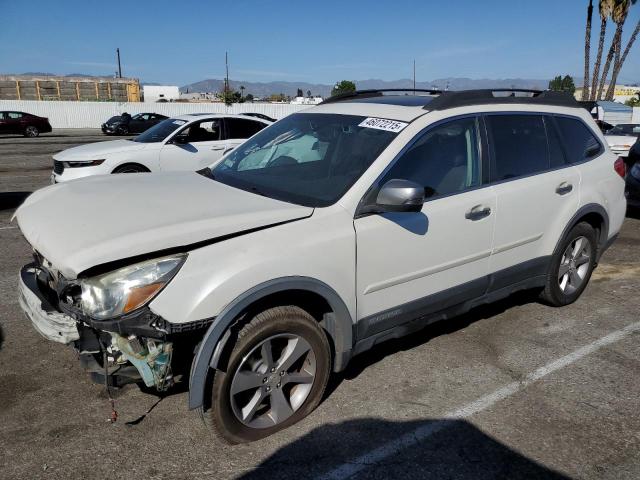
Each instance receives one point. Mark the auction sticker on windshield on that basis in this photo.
(383, 124)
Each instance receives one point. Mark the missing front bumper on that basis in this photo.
(51, 324)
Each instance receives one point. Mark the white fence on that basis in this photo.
(93, 114)
(636, 115)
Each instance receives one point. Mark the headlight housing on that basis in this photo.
(83, 163)
(129, 288)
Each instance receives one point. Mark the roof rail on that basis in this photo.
(375, 93)
(462, 98)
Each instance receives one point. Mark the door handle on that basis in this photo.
(478, 212)
(217, 148)
(564, 188)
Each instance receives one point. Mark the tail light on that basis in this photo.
(620, 167)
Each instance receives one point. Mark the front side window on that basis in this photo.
(240, 128)
(203, 131)
(15, 115)
(306, 158)
(445, 159)
(519, 144)
(580, 143)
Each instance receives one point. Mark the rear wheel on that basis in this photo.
(276, 375)
(131, 168)
(571, 266)
(31, 131)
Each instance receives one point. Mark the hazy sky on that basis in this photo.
(179, 42)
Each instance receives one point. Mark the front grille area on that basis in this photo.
(58, 167)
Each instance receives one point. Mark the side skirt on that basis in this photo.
(413, 316)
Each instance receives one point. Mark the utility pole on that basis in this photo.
(119, 66)
(226, 79)
(414, 77)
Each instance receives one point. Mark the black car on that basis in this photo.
(632, 190)
(632, 129)
(23, 123)
(126, 124)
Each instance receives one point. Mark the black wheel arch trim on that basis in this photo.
(339, 327)
(582, 212)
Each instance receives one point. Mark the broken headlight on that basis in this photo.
(124, 290)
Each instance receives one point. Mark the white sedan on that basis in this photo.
(188, 142)
(622, 137)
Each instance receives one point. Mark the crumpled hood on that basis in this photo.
(83, 223)
(96, 151)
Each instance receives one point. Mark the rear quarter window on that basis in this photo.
(579, 141)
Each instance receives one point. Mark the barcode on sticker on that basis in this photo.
(383, 124)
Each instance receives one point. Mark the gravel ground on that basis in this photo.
(512, 390)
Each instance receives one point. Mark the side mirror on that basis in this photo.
(400, 196)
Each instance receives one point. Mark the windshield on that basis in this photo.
(160, 131)
(305, 158)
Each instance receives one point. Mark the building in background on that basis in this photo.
(45, 87)
(160, 93)
(306, 101)
(621, 94)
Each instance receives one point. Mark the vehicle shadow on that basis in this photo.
(444, 327)
(374, 448)
(11, 200)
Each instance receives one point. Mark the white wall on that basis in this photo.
(636, 115)
(93, 114)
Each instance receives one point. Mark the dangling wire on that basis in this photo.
(114, 413)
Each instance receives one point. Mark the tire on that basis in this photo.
(130, 168)
(571, 266)
(122, 130)
(31, 131)
(261, 391)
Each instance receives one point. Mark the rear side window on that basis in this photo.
(519, 145)
(579, 141)
(15, 115)
(240, 128)
(556, 155)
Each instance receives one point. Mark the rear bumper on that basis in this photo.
(47, 321)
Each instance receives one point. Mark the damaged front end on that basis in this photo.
(106, 319)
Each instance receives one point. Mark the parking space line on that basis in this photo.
(7, 228)
(419, 434)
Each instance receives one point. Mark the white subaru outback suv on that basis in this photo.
(187, 142)
(359, 220)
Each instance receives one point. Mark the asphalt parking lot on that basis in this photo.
(512, 390)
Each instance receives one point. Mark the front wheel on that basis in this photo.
(571, 266)
(276, 375)
(31, 131)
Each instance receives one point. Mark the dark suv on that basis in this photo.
(23, 123)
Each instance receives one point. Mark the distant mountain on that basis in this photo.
(262, 89)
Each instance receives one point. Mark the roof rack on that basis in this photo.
(488, 96)
(376, 93)
(461, 98)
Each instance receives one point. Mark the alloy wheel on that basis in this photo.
(31, 131)
(273, 381)
(574, 265)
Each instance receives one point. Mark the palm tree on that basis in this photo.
(619, 15)
(242, 92)
(617, 66)
(587, 51)
(605, 8)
